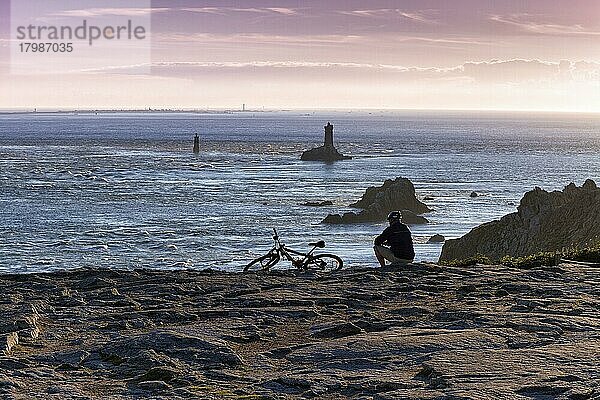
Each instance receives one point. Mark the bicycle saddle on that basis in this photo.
(319, 244)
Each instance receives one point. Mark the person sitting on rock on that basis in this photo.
(395, 242)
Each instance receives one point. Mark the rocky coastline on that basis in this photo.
(544, 222)
(421, 331)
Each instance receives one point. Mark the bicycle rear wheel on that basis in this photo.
(262, 263)
(324, 262)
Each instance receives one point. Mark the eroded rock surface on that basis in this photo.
(394, 195)
(420, 332)
(544, 221)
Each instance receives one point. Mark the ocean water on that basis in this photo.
(124, 190)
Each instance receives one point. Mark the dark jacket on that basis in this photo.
(398, 237)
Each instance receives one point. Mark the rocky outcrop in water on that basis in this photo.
(327, 152)
(437, 238)
(378, 202)
(411, 218)
(544, 221)
(420, 331)
(323, 203)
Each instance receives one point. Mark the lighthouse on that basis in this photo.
(196, 144)
(327, 152)
(329, 135)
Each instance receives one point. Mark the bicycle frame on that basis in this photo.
(286, 253)
(299, 260)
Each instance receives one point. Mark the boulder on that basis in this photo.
(377, 202)
(410, 218)
(474, 194)
(437, 238)
(544, 221)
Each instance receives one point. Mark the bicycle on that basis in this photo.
(302, 261)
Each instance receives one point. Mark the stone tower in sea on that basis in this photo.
(196, 144)
(328, 135)
(327, 152)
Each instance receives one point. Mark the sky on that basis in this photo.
(382, 54)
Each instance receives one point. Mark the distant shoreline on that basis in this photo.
(132, 111)
(215, 111)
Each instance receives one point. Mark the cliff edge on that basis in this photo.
(544, 221)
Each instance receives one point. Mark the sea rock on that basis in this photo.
(318, 203)
(323, 153)
(377, 202)
(437, 238)
(410, 218)
(474, 194)
(544, 221)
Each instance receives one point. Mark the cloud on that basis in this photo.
(533, 71)
(227, 10)
(103, 12)
(387, 13)
(257, 38)
(516, 71)
(513, 72)
(585, 71)
(444, 41)
(312, 40)
(510, 71)
(283, 11)
(303, 64)
(273, 69)
(526, 23)
(204, 10)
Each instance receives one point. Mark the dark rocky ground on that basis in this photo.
(419, 332)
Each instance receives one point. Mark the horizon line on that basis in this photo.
(33, 110)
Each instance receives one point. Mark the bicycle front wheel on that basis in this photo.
(263, 263)
(324, 262)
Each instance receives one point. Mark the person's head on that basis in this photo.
(394, 216)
